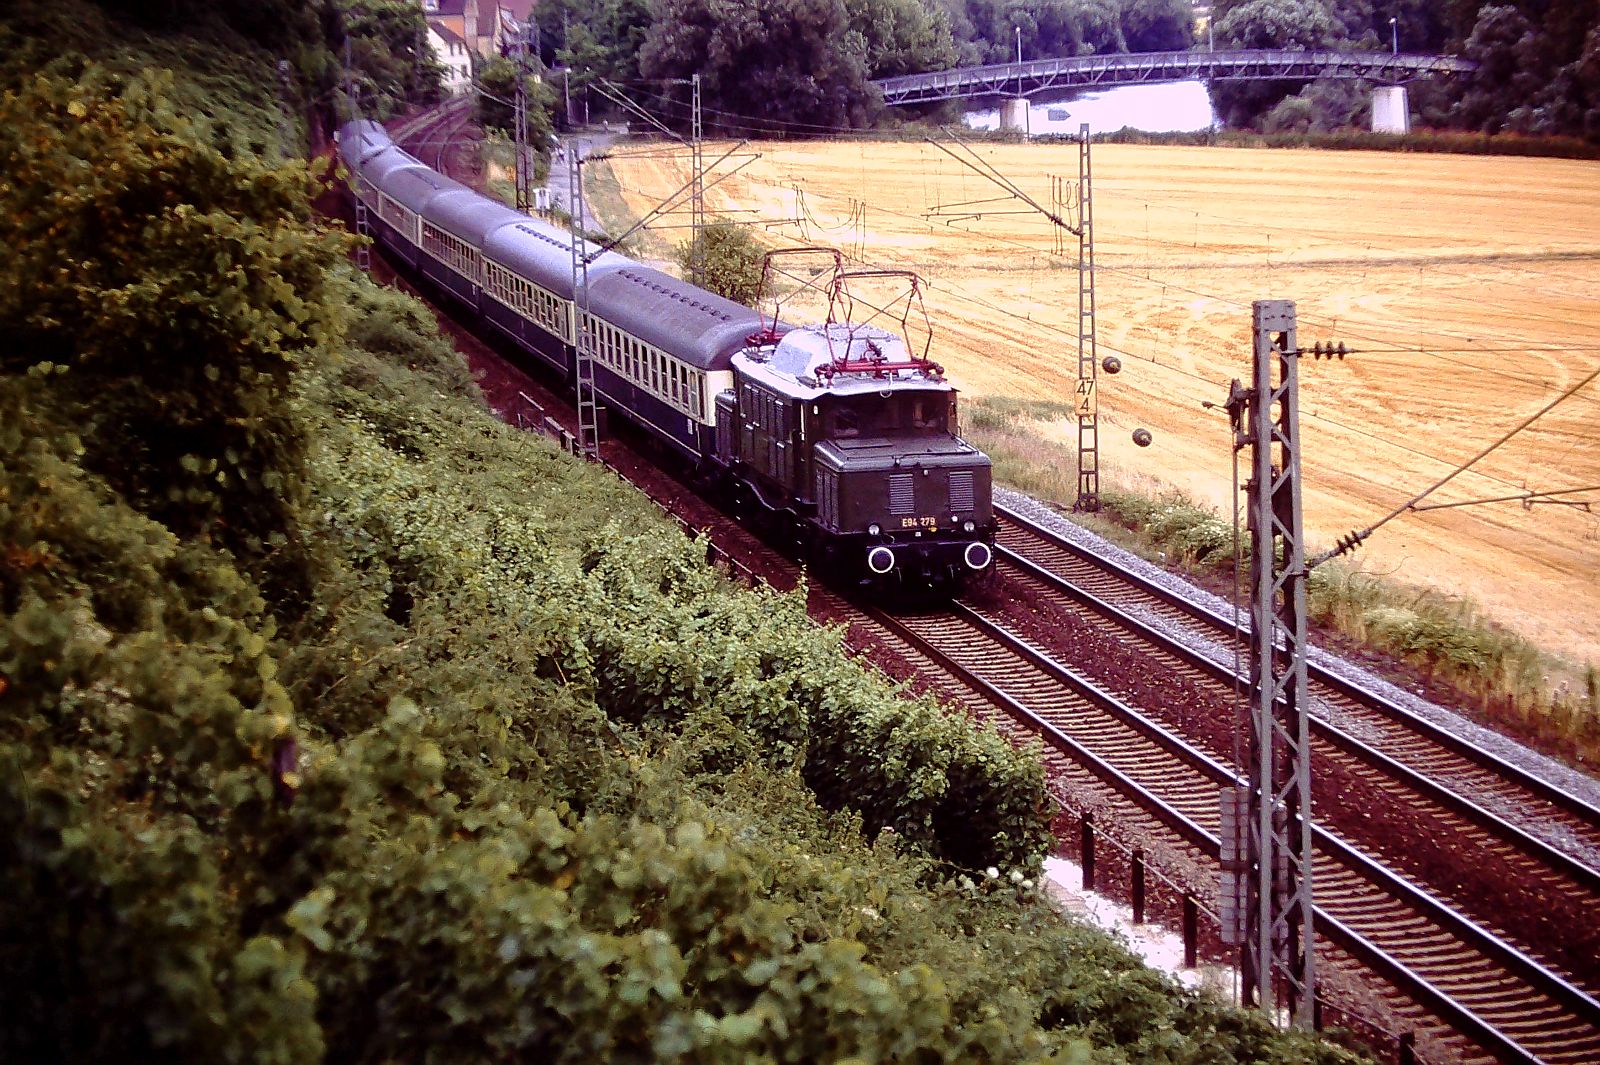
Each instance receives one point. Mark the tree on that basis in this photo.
(780, 65)
(901, 36)
(1157, 25)
(731, 259)
(1499, 41)
(1297, 25)
(389, 55)
(1300, 25)
(1586, 83)
(173, 285)
(497, 102)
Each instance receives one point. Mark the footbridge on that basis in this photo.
(1040, 75)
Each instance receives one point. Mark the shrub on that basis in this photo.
(730, 259)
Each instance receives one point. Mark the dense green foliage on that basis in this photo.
(168, 288)
(729, 257)
(985, 31)
(1540, 62)
(497, 94)
(783, 65)
(388, 55)
(801, 67)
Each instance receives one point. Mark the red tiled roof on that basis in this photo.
(449, 35)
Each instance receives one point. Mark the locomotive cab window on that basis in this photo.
(897, 414)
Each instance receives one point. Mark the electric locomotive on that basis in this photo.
(852, 438)
(835, 436)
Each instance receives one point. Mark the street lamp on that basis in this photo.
(1019, 59)
(1394, 36)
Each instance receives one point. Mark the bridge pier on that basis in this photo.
(1014, 115)
(1391, 111)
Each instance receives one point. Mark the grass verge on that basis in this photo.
(1508, 681)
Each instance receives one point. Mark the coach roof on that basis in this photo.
(360, 141)
(414, 185)
(471, 217)
(696, 326)
(543, 254)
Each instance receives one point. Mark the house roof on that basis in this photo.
(446, 34)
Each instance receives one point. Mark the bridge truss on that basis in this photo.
(1040, 75)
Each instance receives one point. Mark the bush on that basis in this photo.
(730, 259)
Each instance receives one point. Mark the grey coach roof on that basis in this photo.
(543, 254)
(698, 327)
(414, 185)
(471, 217)
(360, 141)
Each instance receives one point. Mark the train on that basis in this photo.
(837, 438)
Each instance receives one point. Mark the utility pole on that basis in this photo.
(1086, 398)
(697, 199)
(351, 111)
(524, 163)
(582, 334)
(1266, 889)
(1087, 402)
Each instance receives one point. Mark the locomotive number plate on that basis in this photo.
(919, 523)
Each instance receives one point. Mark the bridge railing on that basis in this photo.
(1039, 75)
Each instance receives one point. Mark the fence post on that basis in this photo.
(1088, 852)
(1138, 885)
(1191, 932)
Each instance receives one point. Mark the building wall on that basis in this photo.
(478, 26)
(454, 57)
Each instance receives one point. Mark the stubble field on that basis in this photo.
(1469, 288)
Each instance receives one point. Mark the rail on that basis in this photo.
(1040, 75)
(1359, 939)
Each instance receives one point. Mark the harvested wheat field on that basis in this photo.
(1469, 288)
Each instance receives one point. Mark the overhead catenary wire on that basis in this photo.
(961, 294)
(1353, 539)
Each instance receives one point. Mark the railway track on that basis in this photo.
(1522, 800)
(1477, 994)
(429, 134)
(1485, 989)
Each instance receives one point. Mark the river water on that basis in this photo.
(1165, 107)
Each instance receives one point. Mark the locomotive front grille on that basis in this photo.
(828, 498)
(961, 498)
(902, 494)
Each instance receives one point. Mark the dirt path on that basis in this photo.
(1470, 287)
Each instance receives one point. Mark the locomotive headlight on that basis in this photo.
(969, 526)
(874, 529)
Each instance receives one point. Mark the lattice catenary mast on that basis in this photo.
(1087, 400)
(1266, 859)
(520, 50)
(583, 336)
